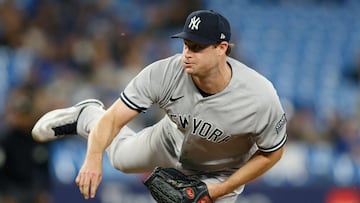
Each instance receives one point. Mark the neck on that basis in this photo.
(215, 80)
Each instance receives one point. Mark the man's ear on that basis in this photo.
(223, 46)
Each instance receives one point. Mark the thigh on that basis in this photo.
(141, 152)
(229, 198)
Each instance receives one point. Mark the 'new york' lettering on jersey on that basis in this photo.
(218, 131)
(199, 127)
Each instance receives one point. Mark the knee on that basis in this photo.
(123, 169)
(131, 170)
(125, 166)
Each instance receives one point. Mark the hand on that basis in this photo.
(211, 189)
(214, 190)
(90, 176)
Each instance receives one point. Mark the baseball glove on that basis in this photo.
(168, 185)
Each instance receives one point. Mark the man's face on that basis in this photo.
(198, 58)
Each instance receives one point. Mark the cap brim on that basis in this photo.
(193, 38)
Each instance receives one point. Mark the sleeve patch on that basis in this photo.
(279, 125)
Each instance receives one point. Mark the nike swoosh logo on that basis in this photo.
(175, 99)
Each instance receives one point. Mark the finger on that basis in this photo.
(77, 180)
(80, 182)
(85, 186)
(81, 179)
(94, 185)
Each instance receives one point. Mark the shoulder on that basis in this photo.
(253, 83)
(162, 68)
(172, 62)
(249, 77)
(163, 72)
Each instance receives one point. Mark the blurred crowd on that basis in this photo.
(56, 53)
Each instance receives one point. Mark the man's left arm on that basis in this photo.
(270, 129)
(255, 167)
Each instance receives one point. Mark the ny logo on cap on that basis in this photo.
(194, 23)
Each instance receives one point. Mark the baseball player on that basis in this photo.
(224, 122)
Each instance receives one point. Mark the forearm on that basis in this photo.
(108, 127)
(255, 167)
(100, 138)
(102, 135)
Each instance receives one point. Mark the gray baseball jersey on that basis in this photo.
(221, 131)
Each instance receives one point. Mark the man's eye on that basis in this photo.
(197, 47)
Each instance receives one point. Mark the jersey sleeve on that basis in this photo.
(149, 86)
(271, 124)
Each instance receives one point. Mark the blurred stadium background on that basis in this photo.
(56, 53)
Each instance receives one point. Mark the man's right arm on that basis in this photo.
(100, 138)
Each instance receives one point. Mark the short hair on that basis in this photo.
(229, 49)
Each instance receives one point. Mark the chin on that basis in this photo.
(189, 70)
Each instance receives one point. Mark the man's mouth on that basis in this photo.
(187, 63)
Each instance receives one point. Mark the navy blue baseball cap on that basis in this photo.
(205, 27)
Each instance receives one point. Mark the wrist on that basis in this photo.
(218, 190)
(94, 156)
